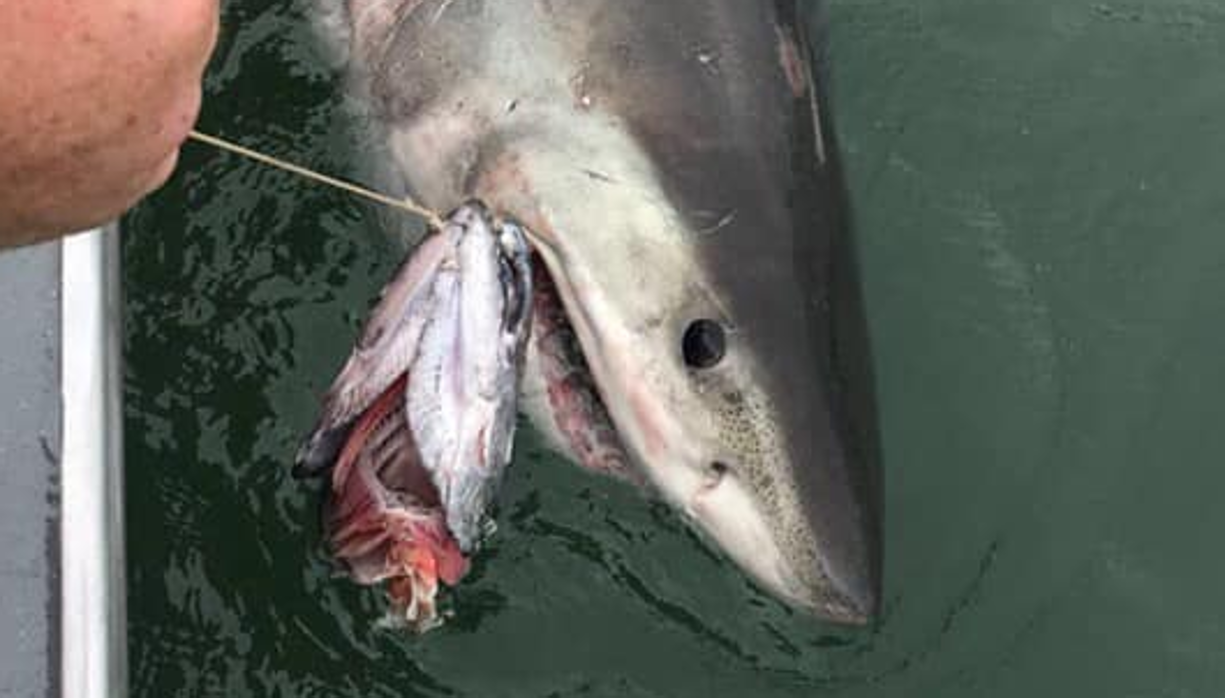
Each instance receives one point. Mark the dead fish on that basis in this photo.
(418, 428)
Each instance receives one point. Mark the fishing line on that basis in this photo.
(405, 204)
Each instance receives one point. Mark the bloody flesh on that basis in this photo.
(383, 514)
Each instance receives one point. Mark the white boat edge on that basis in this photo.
(92, 583)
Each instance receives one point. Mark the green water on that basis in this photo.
(1037, 193)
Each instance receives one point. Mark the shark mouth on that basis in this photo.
(579, 417)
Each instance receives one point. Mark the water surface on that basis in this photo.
(1037, 205)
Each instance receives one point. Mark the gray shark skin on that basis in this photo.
(669, 161)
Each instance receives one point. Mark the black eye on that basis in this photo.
(704, 344)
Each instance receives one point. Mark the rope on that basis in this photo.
(409, 205)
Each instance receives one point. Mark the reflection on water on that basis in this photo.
(1043, 275)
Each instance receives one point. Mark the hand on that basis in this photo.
(95, 99)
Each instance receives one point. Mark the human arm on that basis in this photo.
(96, 97)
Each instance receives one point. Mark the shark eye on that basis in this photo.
(704, 344)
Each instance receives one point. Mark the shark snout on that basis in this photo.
(819, 560)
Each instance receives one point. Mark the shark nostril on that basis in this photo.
(715, 472)
(703, 344)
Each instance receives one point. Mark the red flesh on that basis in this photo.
(384, 516)
(577, 410)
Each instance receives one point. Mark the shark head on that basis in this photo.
(667, 160)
